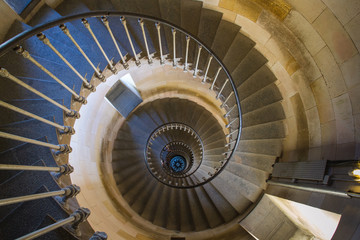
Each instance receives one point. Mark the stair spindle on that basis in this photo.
(75, 218)
(47, 42)
(63, 129)
(222, 88)
(63, 148)
(228, 125)
(207, 69)
(107, 25)
(173, 30)
(230, 110)
(67, 33)
(67, 192)
(88, 27)
(123, 21)
(215, 78)
(63, 169)
(197, 60)
(227, 99)
(187, 38)
(21, 51)
(162, 61)
(141, 22)
(68, 112)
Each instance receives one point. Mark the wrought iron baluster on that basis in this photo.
(47, 42)
(67, 33)
(123, 21)
(88, 27)
(68, 112)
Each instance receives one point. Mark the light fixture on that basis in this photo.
(355, 173)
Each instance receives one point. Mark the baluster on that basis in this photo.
(228, 125)
(68, 112)
(63, 129)
(141, 22)
(231, 133)
(21, 51)
(123, 21)
(228, 144)
(227, 99)
(62, 148)
(65, 169)
(186, 53)
(215, 78)
(46, 41)
(97, 72)
(67, 192)
(87, 26)
(174, 46)
(197, 60)
(222, 88)
(207, 69)
(75, 218)
(228, 113)
(107, 25)
(162, 61)
(226, 153)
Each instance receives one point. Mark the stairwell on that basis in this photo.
(166, 206)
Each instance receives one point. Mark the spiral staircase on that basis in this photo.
(223, 173)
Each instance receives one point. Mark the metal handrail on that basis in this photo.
(11, 43)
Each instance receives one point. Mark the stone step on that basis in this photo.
(237, 51)
(152, 205)
(253, 61)
(186, 215)
(272, 147)
(29, 182)
(199, 216)
(68, 7)
(59, 233)
(225, 36)
(213, 216)
(99, 5)
(260, 79)
(270, 130)
(173, 211)
(190, 19)
(162, 205)
(270, 113)
(144, 185)
(38, 107)
(265, 96)
(63, 43)
(31, 128)
(253, 175)
(31, 216)
(225, 209)
(171, 11)
(258, 161)
(240, 184)
(25, 154)
(234, 194)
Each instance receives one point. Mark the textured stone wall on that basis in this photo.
(313, 49)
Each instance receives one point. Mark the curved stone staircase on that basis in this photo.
(220, 201)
